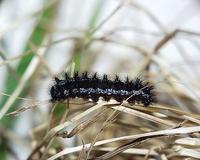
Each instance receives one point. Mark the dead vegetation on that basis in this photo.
(77, 129)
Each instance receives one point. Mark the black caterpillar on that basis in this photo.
(91, 86)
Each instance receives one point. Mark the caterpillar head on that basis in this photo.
(58, 92)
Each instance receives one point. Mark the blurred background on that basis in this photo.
(39, 39)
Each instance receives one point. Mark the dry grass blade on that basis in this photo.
(144, 115)
(108, 121)
(83, 152)
(171, 35)
(106, 19)
(25, 108)
(195, 142)
(27, 75)
(83, 125)
(134, 151)
(125, 147)
(176, 111)
(187, 152)
(6, 62)
(52, 133)
(167, 132)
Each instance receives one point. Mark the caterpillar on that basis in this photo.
(91, 86)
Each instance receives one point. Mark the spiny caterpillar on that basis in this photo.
(90, 86)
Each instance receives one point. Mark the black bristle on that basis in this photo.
(76, 75)
(117, 78)
(67, 76)
(105, 77)
(57, 80)
(127, 80)
(95, 76)
(85, 75)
